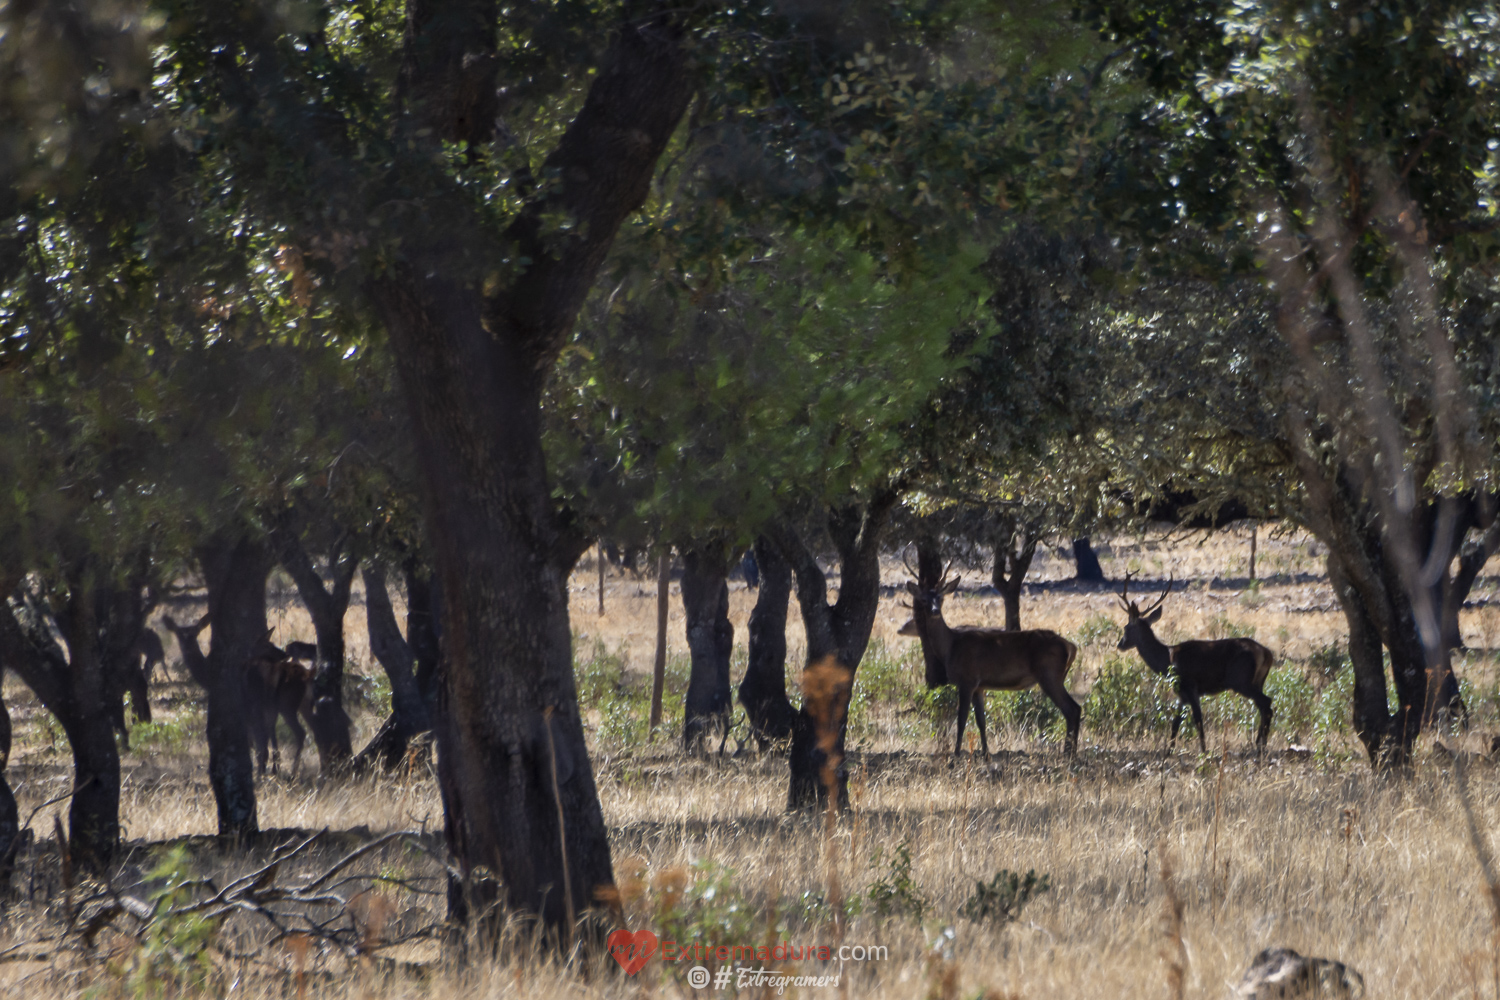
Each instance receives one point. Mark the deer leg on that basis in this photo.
(1263, 706)
(299, 739)
(1198, 721)
(1054, 689)
(964, 698)
(979, 721)
(1177, 720)
(275, 746)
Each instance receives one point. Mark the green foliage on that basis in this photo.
(707, 905)
(172, 734)
(622, 699)
(1129, 699)
(1224, 627)
(172, 956)
(897, 894)
(1006, 895)
(1098, 631)
(1030, 711)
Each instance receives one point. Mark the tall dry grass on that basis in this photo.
(1304, 849)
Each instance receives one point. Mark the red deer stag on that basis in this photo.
(276, 685)
(1199, 666)
(976, 660)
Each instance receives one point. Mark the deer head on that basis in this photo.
(926, 622)
(1139, 622)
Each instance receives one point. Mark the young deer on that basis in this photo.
(276, 685)
(1200, 666)
(976, 660)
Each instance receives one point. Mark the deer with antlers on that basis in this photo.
(1199, 666)
(976, 660)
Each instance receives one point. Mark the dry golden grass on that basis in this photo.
(1314, 853)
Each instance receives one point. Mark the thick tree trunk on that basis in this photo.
(235, 567)
(837, 632)
(763, 689)
(1013, 557)
(1088, 568)
(409, 715)
(710, 638)
(326, 606)
(518, 790)
(1372, 716)
(76, 691)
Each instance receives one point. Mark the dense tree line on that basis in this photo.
(399, 292)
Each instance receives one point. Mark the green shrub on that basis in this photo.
(1098, 630)
(1128, 699)
(1224, 627)
(897, 894)
(1002, 900)
(171, 957)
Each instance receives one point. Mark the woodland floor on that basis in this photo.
(1303, 847)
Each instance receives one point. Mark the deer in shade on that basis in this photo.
(1199, 666)
(276, 684)
(976, 660)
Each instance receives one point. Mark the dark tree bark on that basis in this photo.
(409, 711)
(1014, 550)
(326, 605)
(763, 689)
(929, 561)
(1372, 716)
(841, 631)
(518, 789)
(77, 689)
(1088, 568)
(424, 615)
(710, 637)
(235, 567)
(1471, 560)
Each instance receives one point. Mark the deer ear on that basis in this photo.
(1153, 617)
(950, 586)
(913, 589)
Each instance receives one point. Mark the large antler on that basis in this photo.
(1124, 592)
(1163, 597)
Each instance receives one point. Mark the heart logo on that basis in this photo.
(632, 950)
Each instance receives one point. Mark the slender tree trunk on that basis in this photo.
(409, 715)
(659, 664)
(710, 638)
(601, 578)
(839, 632)
(1372, 716)
(326, 606)
(423, 632)
(1253, 532)
(763, 689)
(1089, 570)
(1471, 562)
(1013, 557)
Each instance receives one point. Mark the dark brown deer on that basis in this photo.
(976, 660)
(1200, 666)
(276, 685)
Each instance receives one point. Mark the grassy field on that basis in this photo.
(1304, 847)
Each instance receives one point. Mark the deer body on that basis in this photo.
(976, 660)
(276, 685)
(1201, 666)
